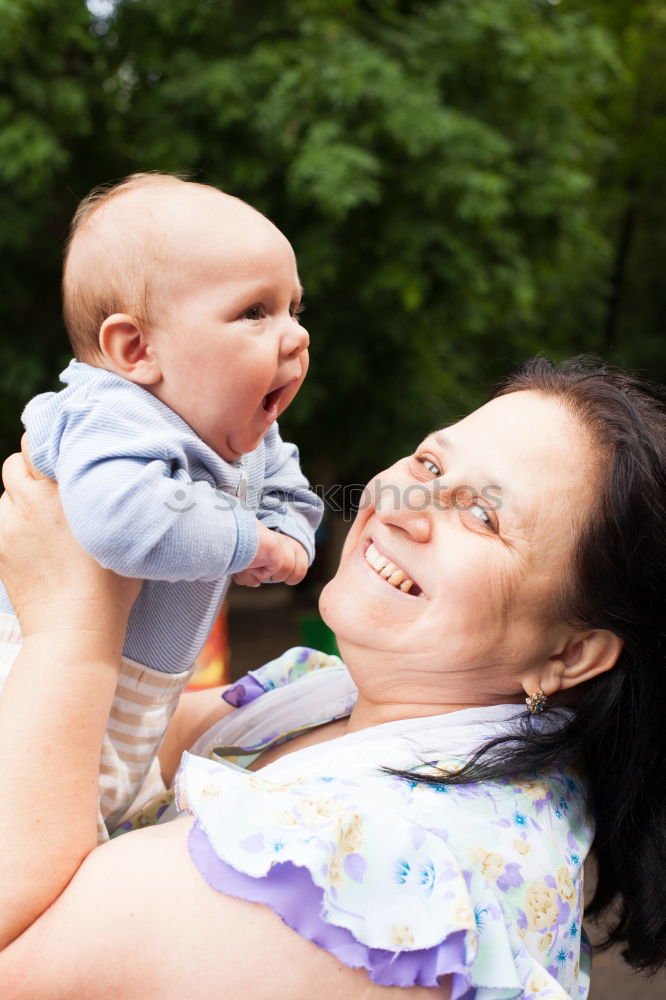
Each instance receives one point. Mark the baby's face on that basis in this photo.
(226, 331)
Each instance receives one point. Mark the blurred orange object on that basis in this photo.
(212, 664)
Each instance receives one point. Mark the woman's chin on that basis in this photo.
(345, 612)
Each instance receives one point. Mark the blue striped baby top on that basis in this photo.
(148, 499)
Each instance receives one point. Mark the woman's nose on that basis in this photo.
(406, 506)
(295, 339)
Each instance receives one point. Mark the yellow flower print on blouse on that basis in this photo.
(211, 791)
(464, 915)
(317, 812)
(489, 863)
(545, 941)
(350, 833)
(537, 983)
(402, 937)
(336, 872)
(521, 846)
(534, 790)
(540, 906)
(260, 784)
(565, 886)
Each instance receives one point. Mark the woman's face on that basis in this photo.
(482, 518)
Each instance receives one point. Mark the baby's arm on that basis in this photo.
(288, 505)
(128, 498)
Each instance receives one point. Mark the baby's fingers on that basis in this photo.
(299, 570)
(246, 578)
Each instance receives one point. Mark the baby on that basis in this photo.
(182, 305)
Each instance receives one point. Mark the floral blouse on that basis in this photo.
(481, 882)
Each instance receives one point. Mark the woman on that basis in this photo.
(451, 609)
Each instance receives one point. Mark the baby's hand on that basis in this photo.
(279, 558)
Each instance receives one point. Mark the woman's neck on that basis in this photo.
(390, 692)
(367, 713)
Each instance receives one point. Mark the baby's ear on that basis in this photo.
(127, 350)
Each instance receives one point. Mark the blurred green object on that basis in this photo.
(317, 635)
(465, 184)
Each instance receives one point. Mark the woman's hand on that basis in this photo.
(56, 700)
(52, 583)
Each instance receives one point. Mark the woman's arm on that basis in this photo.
(197, 711)
(139, 920)
(55, 703)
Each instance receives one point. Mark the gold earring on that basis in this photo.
(536, 702)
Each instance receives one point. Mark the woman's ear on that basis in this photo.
(127, 350)
(584, 655)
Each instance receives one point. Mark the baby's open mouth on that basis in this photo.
(390, 572)
(271, 399)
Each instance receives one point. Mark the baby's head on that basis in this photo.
(192, 294)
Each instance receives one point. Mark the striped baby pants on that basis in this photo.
(143, 703)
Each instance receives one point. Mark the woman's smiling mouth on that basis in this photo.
(393, 575)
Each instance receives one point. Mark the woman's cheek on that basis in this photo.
(350, 611)
(480, 594)
(324, 605)
(336, 607)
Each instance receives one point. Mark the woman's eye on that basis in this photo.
(254, 312)
(482, 514)
(478, 511)
(430, 466)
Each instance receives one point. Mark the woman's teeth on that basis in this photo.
(391, 573)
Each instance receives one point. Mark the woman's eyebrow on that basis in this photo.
(442, 439)
(491, 483)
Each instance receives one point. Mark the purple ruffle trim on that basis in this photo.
(243, 692)
(289, 890)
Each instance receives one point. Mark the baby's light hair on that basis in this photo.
(111, 258)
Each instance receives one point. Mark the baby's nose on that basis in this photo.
(295, 340)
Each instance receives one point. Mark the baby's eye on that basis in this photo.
(253, 313)
(296, 308)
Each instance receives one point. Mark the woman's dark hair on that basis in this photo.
(616, 581)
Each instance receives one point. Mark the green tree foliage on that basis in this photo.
(635, 187)
(437, 166)
(47, 91)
